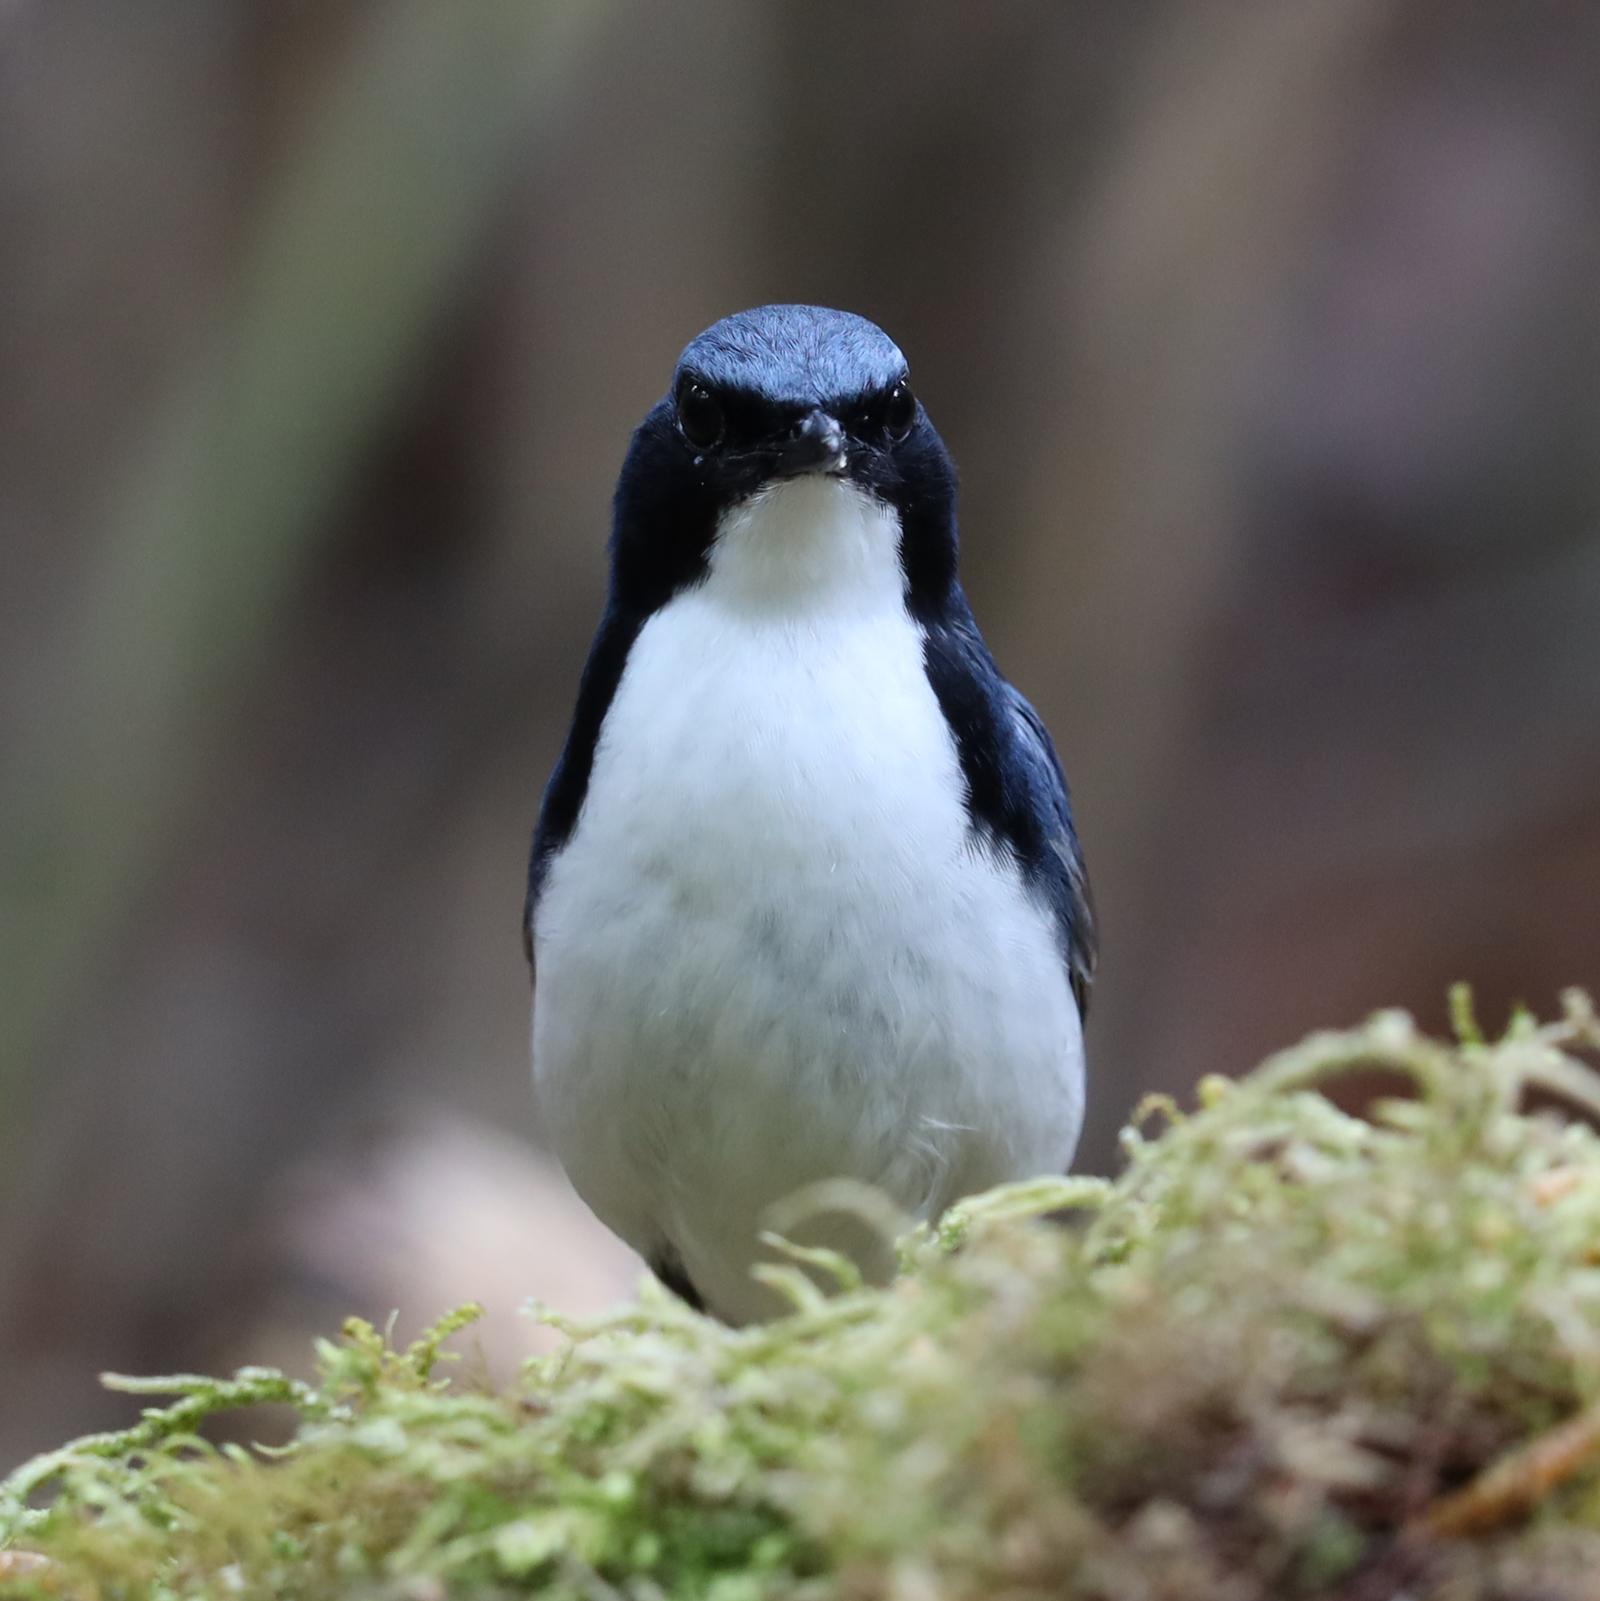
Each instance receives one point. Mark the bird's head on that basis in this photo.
(789, 411)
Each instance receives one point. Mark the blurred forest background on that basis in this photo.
(1268, 340)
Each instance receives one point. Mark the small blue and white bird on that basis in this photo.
(806, 900)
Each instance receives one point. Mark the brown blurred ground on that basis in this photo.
(1266, 338)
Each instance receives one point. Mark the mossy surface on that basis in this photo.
(1289, 1353)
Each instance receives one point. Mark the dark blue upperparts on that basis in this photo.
(742, 395)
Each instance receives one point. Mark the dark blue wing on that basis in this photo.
(1061, 873)
(1016, 793)
(569, 783)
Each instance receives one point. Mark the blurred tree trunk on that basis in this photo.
(356, 255)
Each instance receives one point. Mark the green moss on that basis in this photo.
(1257, 1365)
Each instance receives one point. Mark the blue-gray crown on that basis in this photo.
(801, 354)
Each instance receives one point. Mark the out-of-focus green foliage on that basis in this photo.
(1290, 1352)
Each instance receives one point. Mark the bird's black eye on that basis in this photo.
(699, 416)
(899, 411)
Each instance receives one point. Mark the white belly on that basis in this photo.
(772, 952)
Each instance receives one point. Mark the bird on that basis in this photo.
(806, 900)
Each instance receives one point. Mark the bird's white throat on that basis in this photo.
(807, 544)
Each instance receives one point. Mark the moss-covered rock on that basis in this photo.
(1290, 1352)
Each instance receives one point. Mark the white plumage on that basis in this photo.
(772, 950)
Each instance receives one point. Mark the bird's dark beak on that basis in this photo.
(814, 445)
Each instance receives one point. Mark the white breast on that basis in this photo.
(772, 951)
